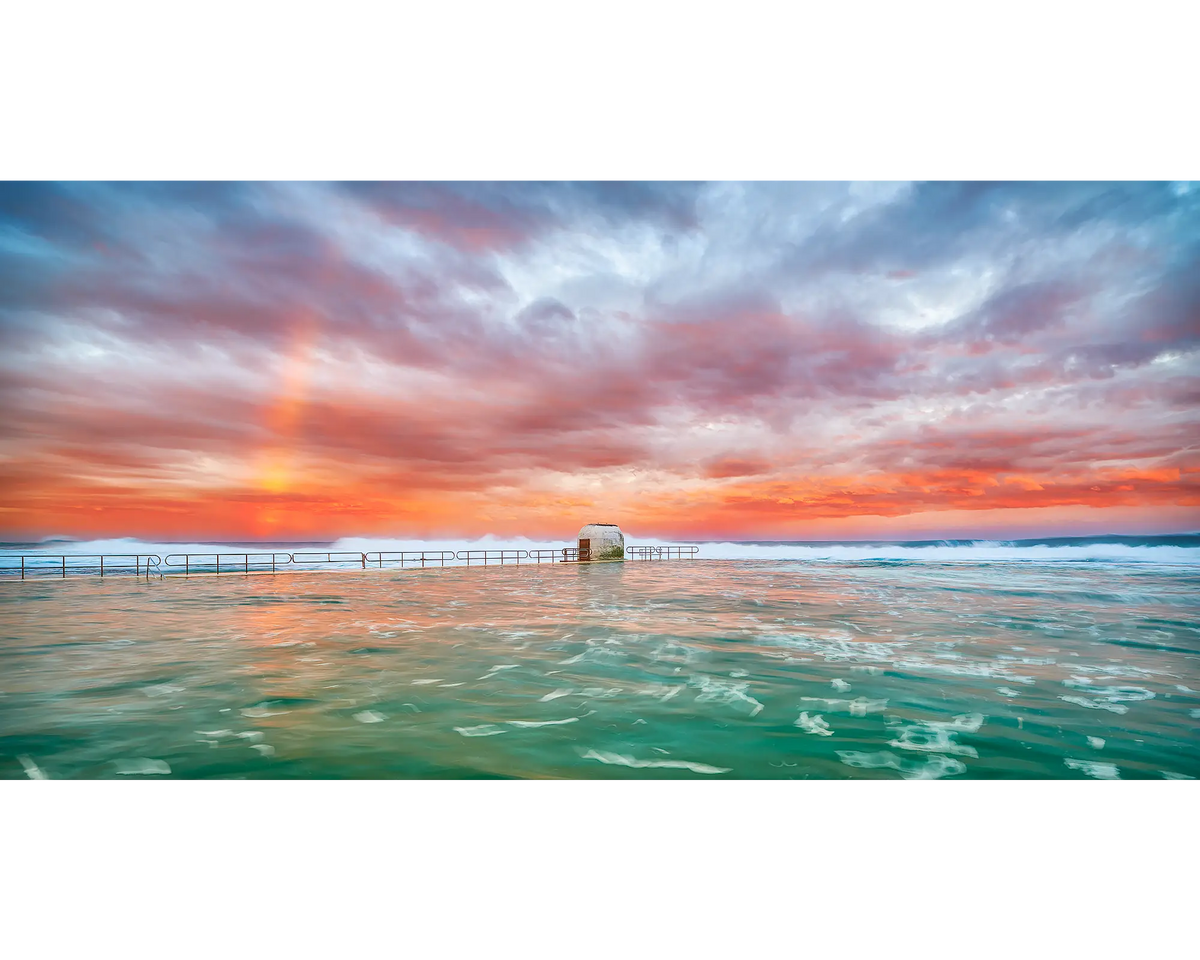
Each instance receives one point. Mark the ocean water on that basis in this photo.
(959, 667)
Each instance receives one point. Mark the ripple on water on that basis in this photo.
(931, 768)
(480, 730)
(624, 761)
(814, 724)
(142, 766)
(1094, 768)
(936, 736)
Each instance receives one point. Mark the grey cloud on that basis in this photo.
(934, 223)
(511, 214)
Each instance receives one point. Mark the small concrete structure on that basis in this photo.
(601, 541)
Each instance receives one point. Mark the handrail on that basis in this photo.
(379, 557)
(343, 556)
(661, 553)
(199, 562)
(486, 555)
(27, 565)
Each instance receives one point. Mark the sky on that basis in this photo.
(689, 360)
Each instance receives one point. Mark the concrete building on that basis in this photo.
(601, 541)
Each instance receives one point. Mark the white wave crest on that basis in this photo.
(967, 550)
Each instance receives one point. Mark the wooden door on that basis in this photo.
(585, 549)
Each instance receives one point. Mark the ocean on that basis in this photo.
(1062, 658)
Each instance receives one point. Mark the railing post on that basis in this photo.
(247, 559)
(218, 563)
(364, 561)
(101, 564)
(187, 560)
(64, 567)
(22, 568)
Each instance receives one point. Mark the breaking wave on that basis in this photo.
(1176, 549)
(1173, 550)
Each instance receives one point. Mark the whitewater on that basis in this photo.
(1177, 549)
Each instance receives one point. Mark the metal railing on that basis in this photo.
(379, 557)
(226, 562)
(492, 556)
(661, 553)
(30, 566)
(330, 557)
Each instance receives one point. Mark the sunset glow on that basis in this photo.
(800, 361)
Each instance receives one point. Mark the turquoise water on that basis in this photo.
(705, 669)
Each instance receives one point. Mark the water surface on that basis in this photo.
(702, 670)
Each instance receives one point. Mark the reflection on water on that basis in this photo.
(702, 670)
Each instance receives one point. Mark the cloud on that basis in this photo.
(748, 354)
(481, 217)
(724, 467)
